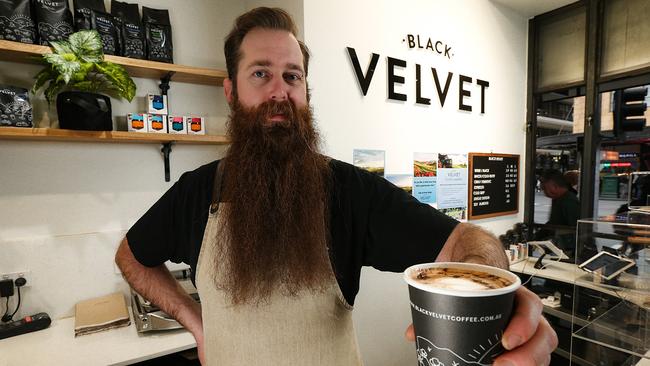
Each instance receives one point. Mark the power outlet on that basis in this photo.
(15, 275)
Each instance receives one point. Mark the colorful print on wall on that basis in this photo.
(425, 171)
(370, 160)
(458, 213)
(403, 181)
(452, 185)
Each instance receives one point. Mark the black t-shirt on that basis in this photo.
(372, 223)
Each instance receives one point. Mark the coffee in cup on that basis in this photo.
(459, 311)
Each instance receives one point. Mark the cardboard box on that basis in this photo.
(157, 123)
(177, 124)
(157, 104)
(137, 122)
(99, 314)
(195, 125)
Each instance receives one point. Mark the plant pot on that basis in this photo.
(84, 111)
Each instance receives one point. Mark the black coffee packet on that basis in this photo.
(158, 31)
(104, 25)
(16, 21)
(83, 13)
(127, 17)
(53, 20)
(15, 109)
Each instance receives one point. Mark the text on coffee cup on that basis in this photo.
(458, 318)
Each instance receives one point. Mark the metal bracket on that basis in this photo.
(166, 149)
(167, 146)
(164, 82)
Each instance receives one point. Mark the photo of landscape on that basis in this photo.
(425, 164)
(370, 160)
(458, 213)
(403, 181)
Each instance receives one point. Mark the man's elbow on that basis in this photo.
(123, 254)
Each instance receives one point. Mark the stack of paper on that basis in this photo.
(102, 313)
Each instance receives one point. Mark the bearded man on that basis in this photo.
(276, 233)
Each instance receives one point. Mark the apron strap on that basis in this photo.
(216, 191)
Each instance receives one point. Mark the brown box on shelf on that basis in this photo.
(195, 126)
(177, 124)
(157, 123)
(156, 104)
(137, 122)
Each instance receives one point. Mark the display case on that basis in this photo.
(611, 302)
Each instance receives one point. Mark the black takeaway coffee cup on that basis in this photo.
(460, 311)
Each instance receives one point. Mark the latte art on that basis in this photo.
(460, 279)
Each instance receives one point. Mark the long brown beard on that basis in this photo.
(275, 185)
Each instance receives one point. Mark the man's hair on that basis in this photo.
(555, 176)
(572, 177)
(262, 17)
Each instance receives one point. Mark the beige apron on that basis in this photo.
(309, 329)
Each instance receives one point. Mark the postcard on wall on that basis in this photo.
(403, 181)
(370, 160)
(452, 181)
(458, 213)
(425, 167)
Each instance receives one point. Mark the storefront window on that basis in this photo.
(620, 155)
(561, 50)
(559, 126)
(626, 36)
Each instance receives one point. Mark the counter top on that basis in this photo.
(57, 345)
(564, 272)
(553, 270)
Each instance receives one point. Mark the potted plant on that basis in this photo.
(76, 73)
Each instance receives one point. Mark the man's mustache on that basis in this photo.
(272, 108)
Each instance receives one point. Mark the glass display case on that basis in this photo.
(611, 295)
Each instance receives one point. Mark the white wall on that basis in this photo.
(488, 41)
(64, 206)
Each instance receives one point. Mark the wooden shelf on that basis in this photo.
(28, 53)
(55, 134)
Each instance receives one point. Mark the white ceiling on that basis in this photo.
(530, 8)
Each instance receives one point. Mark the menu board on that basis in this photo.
(493, 185)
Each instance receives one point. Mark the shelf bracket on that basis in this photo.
(166, 149)
(164, 82)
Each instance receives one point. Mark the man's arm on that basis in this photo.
(157, 285)
(473, 244)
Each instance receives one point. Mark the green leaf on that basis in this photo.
(52, 90)
(65, 64)
(54, 58)
(84, 69)
(117, 75)
(87, 45)
(87, 86)
(61, 47)
(43, 77)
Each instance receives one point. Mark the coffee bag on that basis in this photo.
(158, 31)
(16, 21)
(53, 20)
(15, 109)
(83, 12)
(104, 24)
(130, 28)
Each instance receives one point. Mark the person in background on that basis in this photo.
(565, 206)
(276, 233)
(565, 211)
